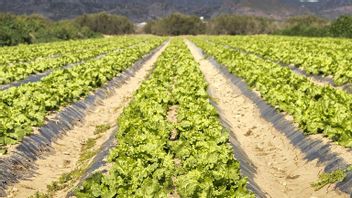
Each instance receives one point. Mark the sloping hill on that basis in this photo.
(139, 10)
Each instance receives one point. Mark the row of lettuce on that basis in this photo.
(26, 107)
(316, 109)
(39, 58)
(148, 162)
(318, 56)
(26, 53)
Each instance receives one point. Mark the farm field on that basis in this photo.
(22, 63)
(317, 109)
(323, 56)
(190, 116)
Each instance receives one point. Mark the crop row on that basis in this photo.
(315, 108)
(323, 56)
(25, 107)
(69, 54)
(26, 53)
(159, 157)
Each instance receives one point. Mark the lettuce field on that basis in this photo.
(190, 116)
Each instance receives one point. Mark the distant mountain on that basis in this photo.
(142, 10)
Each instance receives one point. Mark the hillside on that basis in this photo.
(148, 9)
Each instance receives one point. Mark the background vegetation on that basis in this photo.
(305, 26)
(235, 24)
(179, 24)
(106, 23)
(16, 29)
(33, 29)
(176, 24)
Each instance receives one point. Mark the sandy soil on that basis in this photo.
(281, 168)
(67, 149)
(172, 117)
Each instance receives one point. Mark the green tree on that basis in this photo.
(106, 23)
(236, 24)
(12, 31)
(176, 24)
(342, 27)
(305, 26)
(16, 29)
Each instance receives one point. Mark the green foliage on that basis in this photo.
(19, 62)
(144, 162)
(318, 56)
(101, 128)
(66, 180)
(106, 23)
(40, 195)
(305, 26)
(25, 107)
(179, 24)
(67, 30)
(12, 30)
(317, 27)
(176, 24)
(235, 24)
(316, 109)
(331, 178)
(33, 29)
(342, 27)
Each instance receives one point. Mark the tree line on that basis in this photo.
(16, 29)
(179, 24)
(30, 29)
